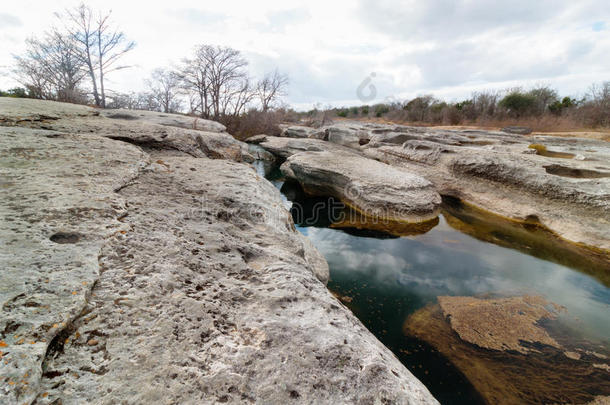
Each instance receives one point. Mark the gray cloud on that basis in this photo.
(447, 48)
(9, 20)
(449, 19)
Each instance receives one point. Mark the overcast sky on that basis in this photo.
(328, 48)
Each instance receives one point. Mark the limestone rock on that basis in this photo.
(347, 136)
(285, 147)
(517, 130)
(166, 119)
(376, 189)
(160, 277)
(297, 131)
(147, 129)
(59, 206)
(500, 324)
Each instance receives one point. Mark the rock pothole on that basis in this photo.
(65, 237)
(566, 171)
(541, 150)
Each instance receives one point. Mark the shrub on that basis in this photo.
(557, 107)
(254, 122)
(354, 111)
(381, 109)
(518, 104)
(342, 113)
(18, 92)
(365, 110)
(418, 107)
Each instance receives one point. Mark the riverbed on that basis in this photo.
(385, 277)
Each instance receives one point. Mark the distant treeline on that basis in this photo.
(540, 107)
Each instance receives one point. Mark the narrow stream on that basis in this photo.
(384, 279)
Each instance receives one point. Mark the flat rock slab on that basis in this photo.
(58, 207)
(500, 324)
(375, 189)
(147, 129)
(286, 147)
(166, 119)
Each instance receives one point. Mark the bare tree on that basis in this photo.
(164, 86)
(111, 46)
(217, 76)
(236, 97)
(597, 105)
(50, 68)
(81, 28)
(194, 81)
(100, 45)
(270, 88)
(544, 96)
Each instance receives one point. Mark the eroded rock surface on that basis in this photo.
(58, 209)
(500, 324)
(513, 376)
(170, 120)
(144, 128)
(153, 276)
(373, 188)
(286, 147)
(560, 183)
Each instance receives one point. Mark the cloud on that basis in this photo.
(9, 20)
(447, 48)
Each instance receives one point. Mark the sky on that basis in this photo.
(343, 53)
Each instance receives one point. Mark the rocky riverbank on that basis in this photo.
(144, 261)
(559, 184)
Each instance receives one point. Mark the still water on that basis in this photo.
(383, 279)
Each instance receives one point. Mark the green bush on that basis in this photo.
(558, 106)
(381, 109)
(519, 104)
(342, 113)
(353, 110)
(365, 110)
(18, 92)
(463, 104)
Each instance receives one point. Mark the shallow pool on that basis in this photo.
(384, 279)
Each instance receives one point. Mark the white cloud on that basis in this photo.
(448, 48)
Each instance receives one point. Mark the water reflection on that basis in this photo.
(384, 278)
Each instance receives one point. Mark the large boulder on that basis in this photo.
(147, 129)
(166, 119)
(371, 187)
(286, 147)
(297, 131)
(347, 136)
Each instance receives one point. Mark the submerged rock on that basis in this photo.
(542, 374)
(375, 189)
(500, 324)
